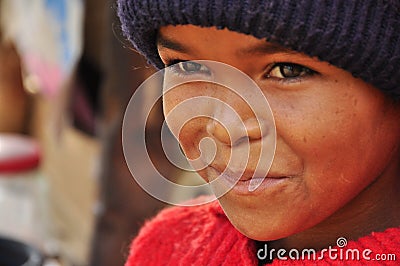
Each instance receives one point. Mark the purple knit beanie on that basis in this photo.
(360, 36)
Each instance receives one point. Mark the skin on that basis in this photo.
(337, 141)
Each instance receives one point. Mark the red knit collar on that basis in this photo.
(202, 235)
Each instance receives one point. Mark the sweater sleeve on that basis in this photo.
(200, 235)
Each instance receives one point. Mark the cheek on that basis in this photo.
(170, 100)
(185, 122)
(333, 133)
(323, 117)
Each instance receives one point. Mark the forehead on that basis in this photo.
(198, 40)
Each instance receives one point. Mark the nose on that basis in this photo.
(231, 131)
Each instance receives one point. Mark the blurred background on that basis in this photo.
(66, 76)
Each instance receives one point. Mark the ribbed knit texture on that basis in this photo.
(360, 36)
(203, 235)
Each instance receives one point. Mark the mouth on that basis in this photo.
(247, 182)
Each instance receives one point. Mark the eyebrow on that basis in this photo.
(265, 48)
(164, 42)
(257, 49)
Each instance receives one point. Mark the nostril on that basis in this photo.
(255, 128)
(216, 129)
(244, 139)
(236, 132)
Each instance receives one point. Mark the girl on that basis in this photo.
(329, 70)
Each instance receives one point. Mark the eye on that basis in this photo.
(289, 71)
(190, 68)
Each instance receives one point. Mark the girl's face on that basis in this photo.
(337, 136)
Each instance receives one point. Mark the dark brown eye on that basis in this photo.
(289, 70)
(189, 67)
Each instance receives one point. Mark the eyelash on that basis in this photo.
(302, 71)
(176, 66)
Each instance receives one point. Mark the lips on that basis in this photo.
(248, 183)
(247, 174)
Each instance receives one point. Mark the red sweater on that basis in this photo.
(202, 235)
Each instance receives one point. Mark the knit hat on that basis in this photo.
(360, 36)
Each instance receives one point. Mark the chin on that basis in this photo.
(261, 227)
(261, 233)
